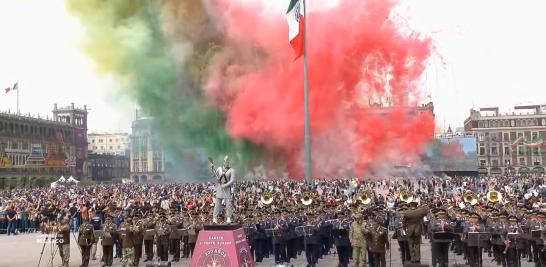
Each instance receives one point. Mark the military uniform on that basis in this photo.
(63, 241)
(127, 244)
(175, 238)
(342, 242)
(86, 238)
(138, 236)
(148, 238)
(109, 229)
(378, 244)
(162, 231)
(413, 220)
(358, 242)
(440, 248)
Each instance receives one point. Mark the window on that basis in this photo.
(495, 163)
(93, 141)
(506, 137)
(521, 161)
(119, 147)
(94, 148)
(494, 151)
(100, 140)
(480, 137)
(110, 140)
(507, 162)
(534, 136)
(101, 147)
(482, 151)
(110, 147)
(506, 150)
(482, 162)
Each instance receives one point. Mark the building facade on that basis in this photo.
(107, 167)
(109, 143)
(34, 150)
(147, 161)
(509, 143)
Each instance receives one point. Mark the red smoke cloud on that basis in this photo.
(356, 55)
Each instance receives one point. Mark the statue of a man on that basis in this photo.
(226, 177)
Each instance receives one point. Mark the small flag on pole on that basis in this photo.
(13, 88)
(295, 18)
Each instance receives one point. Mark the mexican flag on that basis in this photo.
(13, 88)
(294, 16)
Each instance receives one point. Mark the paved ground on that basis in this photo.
(23, 250)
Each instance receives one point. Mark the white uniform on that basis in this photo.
(223, 192)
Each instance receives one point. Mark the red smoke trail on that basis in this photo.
(356, 54)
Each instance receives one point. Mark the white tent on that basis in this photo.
(71, 179)
(53, 185)
(62, 179)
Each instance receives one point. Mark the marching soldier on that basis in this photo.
(474, 251)
(175, 237)
(63, 241)
(379, 242)
(513, 253)
(149, 234)
(312, 243)
(86, 238)
(413, 219)
(138, 235)
(109, 229)
(127, 243)
(440, 247)
(162, 239)
(341, 240)
(400, 235)
(358, 241)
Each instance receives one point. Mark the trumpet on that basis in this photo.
(266, 198)
(307, 199)
(494, 196)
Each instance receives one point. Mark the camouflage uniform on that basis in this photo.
(86, 238)
(126, 231)
(65, 248)
(127, 257)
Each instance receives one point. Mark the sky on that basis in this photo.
(487, 53)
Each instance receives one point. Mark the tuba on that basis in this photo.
(494, 196)
(470, 198)
(406, 197)
(307, 199)
(266, 198)
(365, 199)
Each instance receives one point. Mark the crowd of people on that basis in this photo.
(356, 216)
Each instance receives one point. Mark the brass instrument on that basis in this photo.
(406, 197)
(494, 196)
(470, 198)
(266, 198)
(307, 199)
(364, 198)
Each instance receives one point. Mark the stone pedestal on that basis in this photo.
(222, 246)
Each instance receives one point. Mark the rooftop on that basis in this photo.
(30, 118)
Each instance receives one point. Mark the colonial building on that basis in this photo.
(107, 167)
(147, 157)
(34, 150)
(509, 143)
(109, 143)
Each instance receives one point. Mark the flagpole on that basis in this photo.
(18, 98)
(308, 176)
